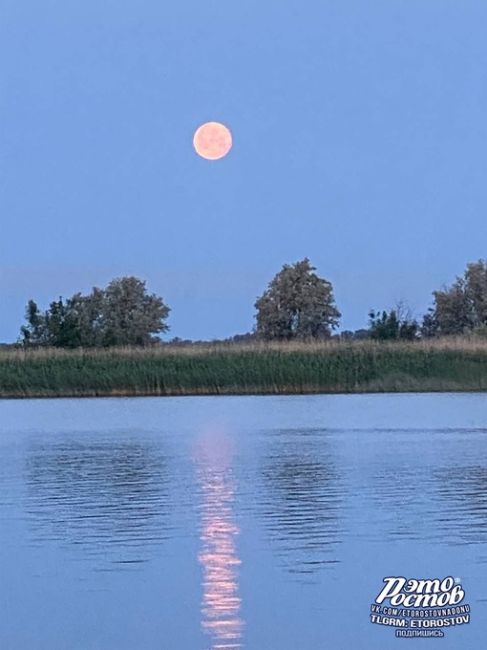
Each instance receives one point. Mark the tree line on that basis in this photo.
(297, 304)
(121, 314)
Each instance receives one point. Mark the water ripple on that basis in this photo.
(104, 497)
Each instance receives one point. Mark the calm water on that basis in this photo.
(265, 523)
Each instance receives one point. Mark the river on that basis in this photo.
(266, 523)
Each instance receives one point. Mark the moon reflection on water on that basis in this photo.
(221, 602)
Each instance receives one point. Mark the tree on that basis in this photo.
(122, 314)
(85, 318)
(395, 325)
(130, 315)
(429, 326)
(383, 326)
(297, 304)
(476, 293)
(34, 331)
(461, 308)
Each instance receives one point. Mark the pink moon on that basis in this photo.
(212, 140)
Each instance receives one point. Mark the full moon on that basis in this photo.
(212, 140)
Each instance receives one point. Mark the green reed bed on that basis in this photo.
(205, 369)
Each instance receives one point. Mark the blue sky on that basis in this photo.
(359, 141)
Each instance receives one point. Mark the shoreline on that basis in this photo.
(294, 368)
(132, 395)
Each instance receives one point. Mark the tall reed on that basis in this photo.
(256, 368)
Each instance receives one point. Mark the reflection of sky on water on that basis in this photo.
(119, 521)
(417, 485)
(464, 490)
(302, 501)
(108, 498)
(221, 603)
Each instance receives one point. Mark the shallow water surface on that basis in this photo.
(265, 523)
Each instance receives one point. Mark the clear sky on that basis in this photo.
(360, 133)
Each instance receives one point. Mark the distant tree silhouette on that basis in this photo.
(461, 308)
(392, 326)
(297, 304)
(121, 314)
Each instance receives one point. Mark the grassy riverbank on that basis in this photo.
(206, 369)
